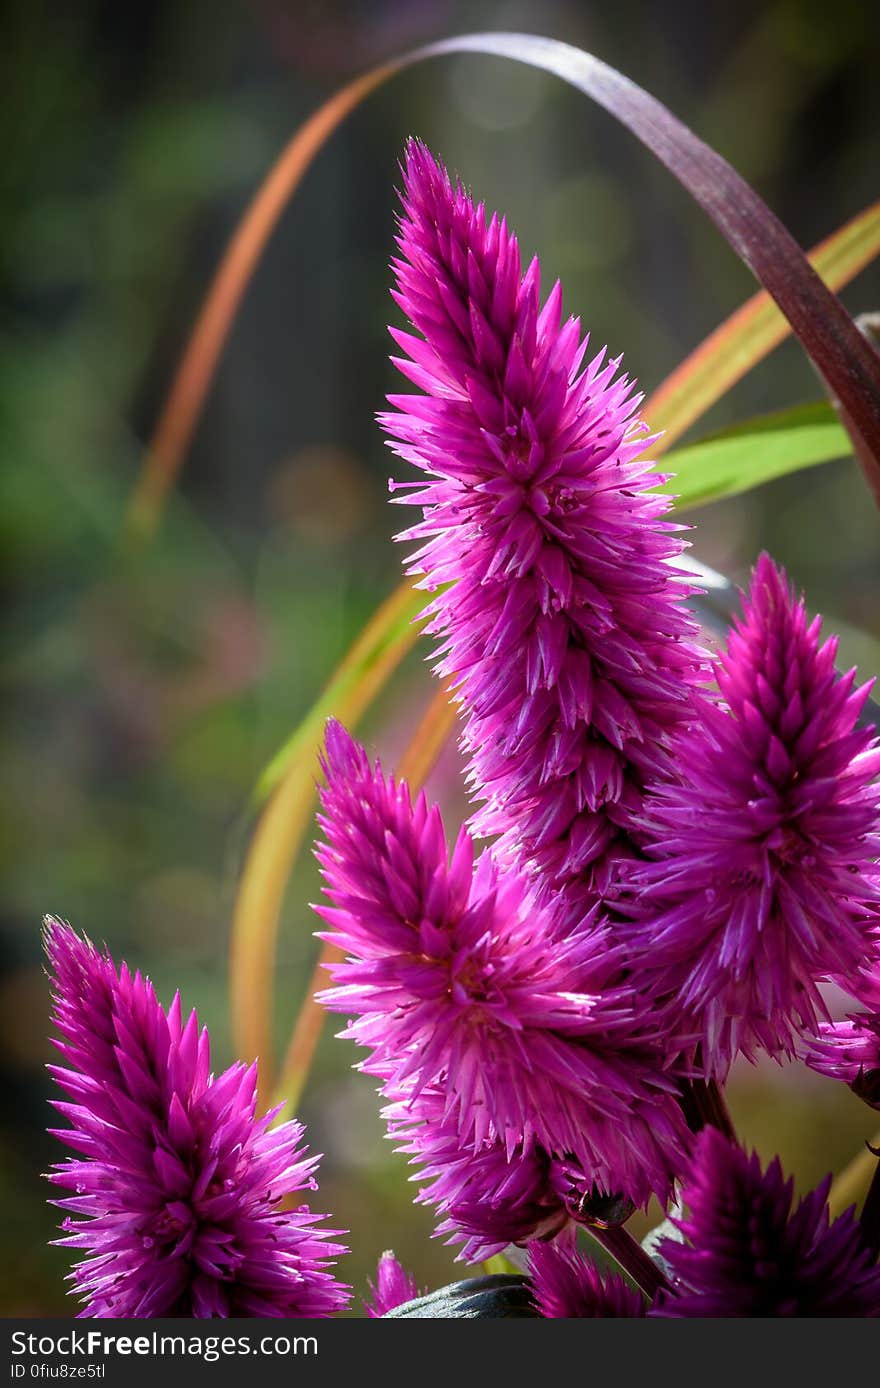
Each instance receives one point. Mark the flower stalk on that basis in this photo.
(631, 1257)
(869, 1221)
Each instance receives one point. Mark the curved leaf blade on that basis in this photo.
(281, 827)
(843, 357)
(725, 355)
(752, 332)
(753, 453)
(425, 747)
(390, 633)
(851, 1185)
(192, 380)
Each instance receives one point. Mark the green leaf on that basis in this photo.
(753, 453)
(499, 1264)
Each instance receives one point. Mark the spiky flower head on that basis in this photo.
(568, 1286)
(746, 1252)
(177, 1183)
(457, 977)
(765, 880)
(393, 1286)
(563, 630)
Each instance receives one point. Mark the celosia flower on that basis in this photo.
(178, 1184)
(563, 631)
(458, 977)
(850, 1050)
(746, 1253)
(765, 879)
(393, 1286)
(568, 1286)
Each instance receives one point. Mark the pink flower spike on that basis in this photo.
(563, 630)
(456, 977)
(764, 880)
(747, 1251)
(569, 1286)
(177, 1183)
(393, 1287)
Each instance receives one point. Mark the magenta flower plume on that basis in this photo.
(568, 1286)
(456, 976)
(393, 1286)
(563, 631)
(850, 1050)
(765, 880)
(177, 1183)
(746, 1253)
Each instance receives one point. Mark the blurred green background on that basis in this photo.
(143, 692)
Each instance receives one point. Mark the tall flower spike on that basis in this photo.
(563, 631)
(177, 1182)
(765, 879)
(747, 1254)
(393, 1287)
(457, 977)
(568, 1286)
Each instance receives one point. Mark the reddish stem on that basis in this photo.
(870, 1217)
(704, 1106)
(630, 1255)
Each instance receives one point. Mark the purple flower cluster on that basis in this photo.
(561, 620)
(762, 878)
(676, 870)
(472, 1002)
(178, 1186)
(745, 1252)
(742, 1251)
(685, 852)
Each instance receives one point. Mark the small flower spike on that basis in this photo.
(568, 1286)
(764, 880)
(177, 1184)
(746, 1252)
